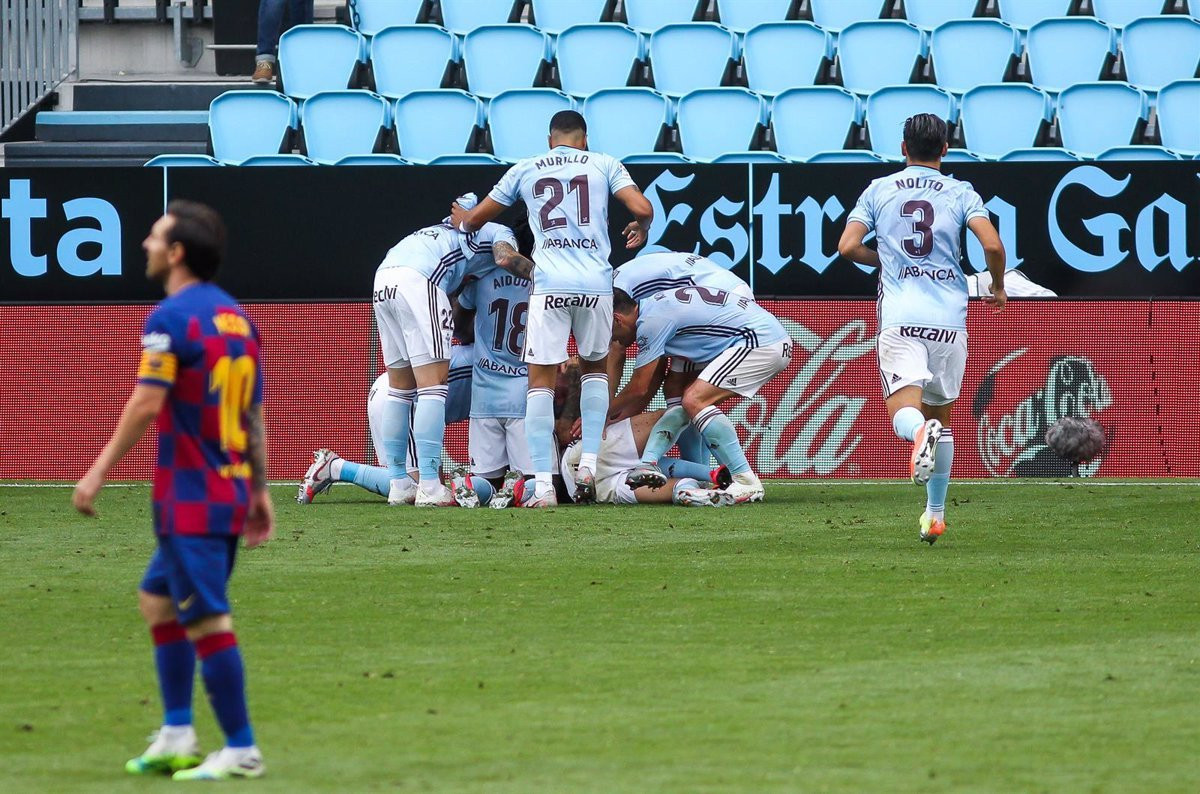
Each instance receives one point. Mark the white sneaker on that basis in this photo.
(923, 451)
(440, 496)
(647, 475)
(403, 491)
(702, 497)
(319, 476)
(585, 486)
(464, 489)
(745, 488)
(226, 763)
(541, 496)
(172, 747)
(506, 496)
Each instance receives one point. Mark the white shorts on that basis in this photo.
(618, 456)
(554, 318)
(932, 358)
(497, 444)
(413, 317)
(744, 370)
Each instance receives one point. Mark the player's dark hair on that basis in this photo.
(566, 122)
(623, 303)
(521, 229)
(201, 232)
(924, 135)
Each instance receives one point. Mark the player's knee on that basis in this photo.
(694, 402)
(155, 608)
(209, 624)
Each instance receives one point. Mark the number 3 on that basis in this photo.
(921, 242)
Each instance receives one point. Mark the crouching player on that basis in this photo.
(744, 347)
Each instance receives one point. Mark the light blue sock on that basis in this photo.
(394, 429)
(674, 467)
(539, 429)
(663, 434)
(718, 433)
(376, 479)
(593, 408)
(906, 421)
(429, 430)
(939, 481)
(691, 446)
(483, 489)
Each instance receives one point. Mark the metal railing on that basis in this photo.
(39, 48)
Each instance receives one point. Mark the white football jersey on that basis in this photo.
(445, 255)
(642, 277)
(566, 191)
(918, 215)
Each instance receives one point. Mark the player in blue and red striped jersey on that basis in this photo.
(200, 377)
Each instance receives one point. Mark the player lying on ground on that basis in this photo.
(743, 346)
(918, 215)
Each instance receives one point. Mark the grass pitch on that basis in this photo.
(1049, 642)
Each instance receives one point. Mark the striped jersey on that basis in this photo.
(698, 323)
(445, 255)
(645, 275)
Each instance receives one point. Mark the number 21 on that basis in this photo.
(577, 185)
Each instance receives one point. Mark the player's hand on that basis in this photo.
(457, 214)
(997, 300)
(84, 497)
(260, 519)
(635, 235)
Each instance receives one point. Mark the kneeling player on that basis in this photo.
(744, 345)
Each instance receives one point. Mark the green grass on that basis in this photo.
(1049, 642)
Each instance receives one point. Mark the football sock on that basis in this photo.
(224, 678)
(906, 421)
(539, 431)
(375, 479)
(675, 467)
(939, 481)
(691, 446)
(483, 489)
(684, 484)
(663, 434)
(718, 433)
(429, 428)
(176, 662)
(394, 429)
(593, 408)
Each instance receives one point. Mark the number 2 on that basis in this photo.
(577, 185)
(920, 243)
(233, 380)
(713, 297)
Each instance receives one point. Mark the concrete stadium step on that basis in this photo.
(124, 125)
(93, 153)
(152, 96)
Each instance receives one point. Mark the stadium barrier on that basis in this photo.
(39, 48)
(1130, 364)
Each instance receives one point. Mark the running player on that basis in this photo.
(200, 377)
(742, 347)
(918, 215)
(566, 191)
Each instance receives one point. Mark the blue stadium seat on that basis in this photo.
(1159, 50)
(246, 123)
(592, 57)
(411, 57)
(656, 158)
(647, 16)
(1024, 14)
(1120, 13)
(962, 156)
(371, 16)
(1040, 154)
(373, 159)
(462, 16)
(314, 58)
(971, 52)
(847, 156)
(713, 121)
(690, 55)
(1093, 117)
(782, 55)
(1178, 107)
(625, 121)
(929, 14)
(1138, 153)
(877, 54)
(814, 119)
(838, 14)
(337, 124)
(1004, 116)
(433, 123)
(503, 57)
(751, 157)
(520, 121)
(555, 16)
(278, 160)
(888, 108)
(741, 15)
(467, 158)
(1069, 50)
(182, 161)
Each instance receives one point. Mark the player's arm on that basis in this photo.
(851, 245)
(636, 395)
(260, 516)
(472, 220)
(143, 405)
(993, 254)
(643, 215)
(511, 260)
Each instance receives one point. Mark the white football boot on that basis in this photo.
(172, 747)
(585, 486)
(924, 450)
(702, 497)
(319, 476)
(745, 488)
(539, 495)
(225, 764)
(464, 489)
(403, 491)
(507, 495)
(439, 496)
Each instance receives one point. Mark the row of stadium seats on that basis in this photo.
(798, 124)
(770, 58)
(646, 16)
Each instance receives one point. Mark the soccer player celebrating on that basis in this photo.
(918, 215)
(412, 311)
(743, 346)
(566, 191)
(200, 361)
